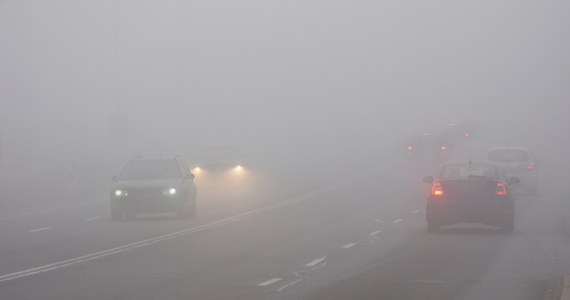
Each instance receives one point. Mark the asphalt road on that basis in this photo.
(362, 237)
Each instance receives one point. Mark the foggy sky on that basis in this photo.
(275, 77)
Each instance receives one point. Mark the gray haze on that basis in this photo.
(309, 90)
(288, 76)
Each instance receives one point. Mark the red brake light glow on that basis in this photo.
(410, 148)
(501, 189)
(530, 166)
(437, 189)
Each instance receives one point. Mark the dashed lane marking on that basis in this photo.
(373, 233)
(316, 261)
(349, 245)
(397, 221)
(289, 284)
(415, 212)
(270, 282)
(40, 229)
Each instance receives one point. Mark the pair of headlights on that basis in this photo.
(165, 192)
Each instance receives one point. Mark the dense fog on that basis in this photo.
(319, 84)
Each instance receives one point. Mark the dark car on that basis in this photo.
(470, 193)
(153, 185)
(519, 162)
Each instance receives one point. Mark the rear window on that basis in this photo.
(151, 169)
(468, 171)
(508, 155)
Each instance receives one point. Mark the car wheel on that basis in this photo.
(183, 211)
(130, 215)
(116, 216)
(193, 209)
(508, 227)
(433, 227)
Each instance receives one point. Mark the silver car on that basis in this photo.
(153, 185)
(519, 162)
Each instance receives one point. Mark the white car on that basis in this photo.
(519, 162)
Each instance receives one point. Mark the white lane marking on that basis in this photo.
(289, 284)
(168, 236)
(378, 221)
(415, 212)
(397, 221)
(429, 281)
(40, 229)
(92, 219)
(270, 282)
(316, 261)
(349, 245)
(373, 240)
(373, 233)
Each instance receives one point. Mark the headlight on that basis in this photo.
(169, 192)
(120, 193)
(238, 168)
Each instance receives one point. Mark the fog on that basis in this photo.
(293, 82)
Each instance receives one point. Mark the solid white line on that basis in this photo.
(40, 229)
(416, 212)
(315, 262)
(92, 219)
(168, 236)
(373, 233)
(397, 221)
(270, 282)
(289, 284)
(349, 245)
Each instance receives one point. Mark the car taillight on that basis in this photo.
(501, 189)
(530, 166)
(437, 190)
(410, 148)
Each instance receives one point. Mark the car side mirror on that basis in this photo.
(114, 179)
(191, 176)
(514, 180)
(428, 179)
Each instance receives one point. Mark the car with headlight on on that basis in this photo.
(467, 192)
(519, 162)
(219, 159)
(153, 185)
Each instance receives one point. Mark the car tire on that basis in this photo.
(116, 216)
(433, 227)
(183, 211)
(193, 209)
(508, 227)
(130, 215)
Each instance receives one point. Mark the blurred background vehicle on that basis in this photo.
(519, 162)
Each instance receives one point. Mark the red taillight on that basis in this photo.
(530, 166)
(437, 189)
(501, 189)
(410, 148)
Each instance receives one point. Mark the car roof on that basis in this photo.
(154, 158)
(509, 148)
(480, 163)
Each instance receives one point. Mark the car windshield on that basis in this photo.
(507, 156)
(151, 169)
(467, 172)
